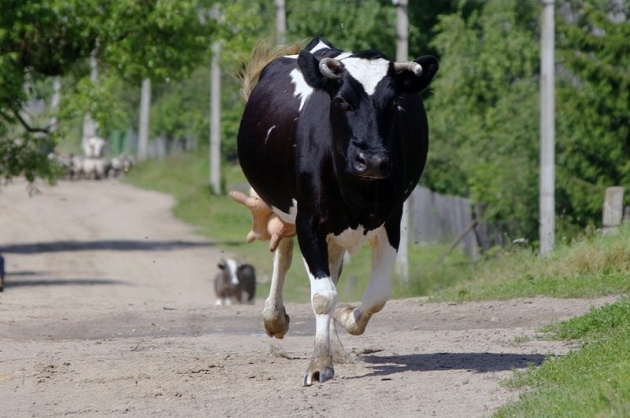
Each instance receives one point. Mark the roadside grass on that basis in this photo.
(591, 265)
(593, 381)
(226, 223)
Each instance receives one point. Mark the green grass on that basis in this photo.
(226, 222)
(590, 382)
(592, 265)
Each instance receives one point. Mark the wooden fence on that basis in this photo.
(440, 219)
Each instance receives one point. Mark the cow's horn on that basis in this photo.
(326, 67)
(408, 66)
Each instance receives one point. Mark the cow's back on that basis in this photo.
(266, 138)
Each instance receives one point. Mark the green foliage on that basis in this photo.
(592, 381)
(485, 109)
(593, 112)
(181, 109)
(131, 39)
(483, 113)
(351, 25)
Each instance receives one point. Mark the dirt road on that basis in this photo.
(108, 309)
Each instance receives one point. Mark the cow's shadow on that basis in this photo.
(63, 282)
(110, 245)
(474, 362)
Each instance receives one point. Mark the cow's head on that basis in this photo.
(365, 89)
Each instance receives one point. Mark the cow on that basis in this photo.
(235, 282)
(333, 142)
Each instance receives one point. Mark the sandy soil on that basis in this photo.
(108, 309)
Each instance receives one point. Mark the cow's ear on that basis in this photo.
(309, 66)
(221, 264)
(409, 82)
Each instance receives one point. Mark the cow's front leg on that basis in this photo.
(323, 297)
(335, 264)
(275, 316)
(354, 319)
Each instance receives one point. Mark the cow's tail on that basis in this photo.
(263, 53)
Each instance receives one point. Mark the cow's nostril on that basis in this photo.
(360, 163)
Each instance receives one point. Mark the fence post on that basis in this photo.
(613, 209)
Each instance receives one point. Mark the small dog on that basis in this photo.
(235, 282)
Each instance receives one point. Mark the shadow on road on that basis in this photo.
(473, 362)
(113, 245)
(63, 282)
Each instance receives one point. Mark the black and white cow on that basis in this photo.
(334, 142)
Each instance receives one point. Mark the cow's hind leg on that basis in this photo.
(355, 319)
(275, 317)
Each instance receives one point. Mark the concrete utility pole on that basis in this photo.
(89, 125)
(215, 119)
(281, 22)
(547, 131)
(54, 103)
(402, 54)
(145, 109)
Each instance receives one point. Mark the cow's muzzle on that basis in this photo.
(371, 166)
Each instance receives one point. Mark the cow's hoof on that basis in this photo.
(346, 316)
(321, 376)
(277, 325)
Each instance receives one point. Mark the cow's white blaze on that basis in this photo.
(368, 72)
(302, 89)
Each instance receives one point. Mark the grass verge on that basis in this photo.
(592, 265)
(593, 381)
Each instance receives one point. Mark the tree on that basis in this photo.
(353, 26)
(593, 107)
(40, 39)
(180, 109)
(484, 113)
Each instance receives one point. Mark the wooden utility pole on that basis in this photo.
(547, 131)
(281, 22)
(215, 119)
(402, 54)
(145, 109)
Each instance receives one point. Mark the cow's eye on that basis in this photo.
(341, 103)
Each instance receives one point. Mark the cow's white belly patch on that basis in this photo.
(287, 217)
(353, 239)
